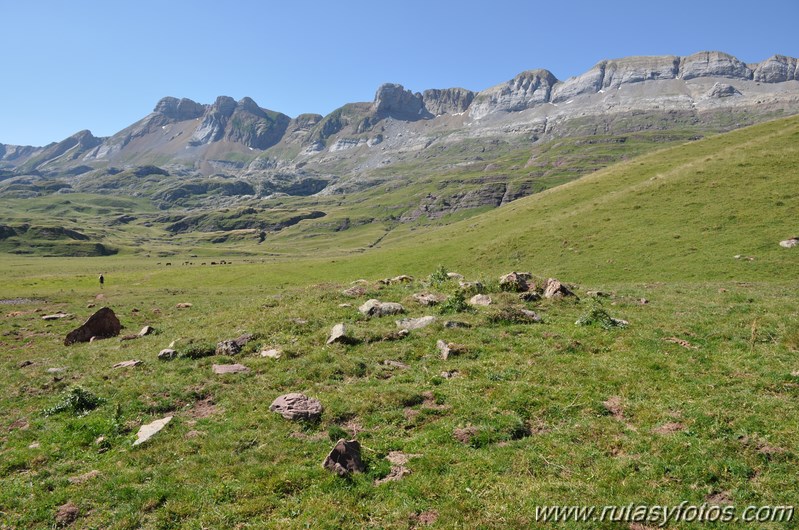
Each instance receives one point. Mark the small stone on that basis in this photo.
(149, 430)
(56, 316)
(146, 330)
(344, 458)
(343, 306)
(128, 364)
(456, 324)
(23, 364)
(428, 299)
(66, 514)
(229, 368)
(338, 334)
(273, 353)
(354, 292)
(450, 374)
(480, 299)
(56, 370)
(376, 308)
(454, 276)
(415, 323)
(402, 278)
(167, 354)
(554, 289)
(448, 349)
(395, 364)
(183, 305)
(34, 445)
(790, 243)
(296, 406)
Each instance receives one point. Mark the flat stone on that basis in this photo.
(296, 406)
(376, 308)
(454, 276)
(149, 430)
(56, 370)
(480, 299)
(344, 458)
(183, 305)
(790, 243)
(428, 299)
(229, 368)
(128, 364)
(415, 323)
(146, 330)
(80, 479)
(395, 364)
(56, 316)
(273, 353)
(456, 324)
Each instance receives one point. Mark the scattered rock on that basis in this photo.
(448, 349)
(684, 343)
(471, 287)
(529, 296)
(272, 353)
(398, 459)
(101, 325)
(344, 305)
(233, 346)
(229, 368)
(669, 428)
(480, 299)
(183, 305)
(395, 364)
(344, 458)
(89, 306)
(790, 243)
(56, 316)
(296, 406)
(643, 301)
(456, 324)
(415, 323)
(376, 308)
(34, 445)
(554, 289)
(403, 278)
(128, 364)
(395, 335)
(454, 276)
(338, 334)
(56, 370)
(23, 364)
(86, 477)
(354, 292)
(515, 281)
(428, 299)
(167, 354)
(450, 374)
(146, 330)
(66, 514)
(149, 430)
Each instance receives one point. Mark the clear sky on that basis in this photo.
(102, 65)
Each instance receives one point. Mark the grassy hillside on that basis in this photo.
(694, 400)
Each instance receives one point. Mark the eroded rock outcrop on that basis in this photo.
(101, 325)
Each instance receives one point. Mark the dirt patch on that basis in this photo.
(398, 459)
(681, 342)
(614, 406)
(465, 434)
(719, 497)
(86, 477)
(204, 408)
(669, 428)
(66, 514)
(427, 518)
(762, 446)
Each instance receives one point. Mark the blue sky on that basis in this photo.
(101, 65)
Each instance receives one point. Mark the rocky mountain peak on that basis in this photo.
(395, 101)
(713, 64)
(224, 105)
(247, 104)
(777, 69)
(179, 109)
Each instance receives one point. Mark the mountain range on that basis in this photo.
(243, 139)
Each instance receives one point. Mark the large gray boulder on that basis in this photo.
(296, 406)
(101, 325)
(376, 308)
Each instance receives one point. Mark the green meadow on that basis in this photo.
(695, 400)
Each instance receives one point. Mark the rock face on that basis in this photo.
(376, 308)
(394, 101)
(344, 458)
(777, 69)
(296, 406)
(713, 64)
(524, 91)
(448, 101)
(179, 109)
(102, 325)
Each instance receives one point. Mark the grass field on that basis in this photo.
(694, 400)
